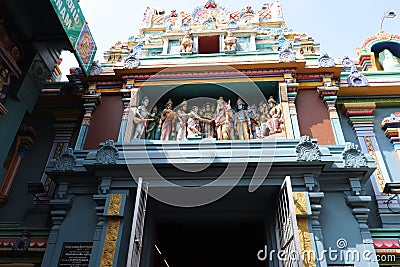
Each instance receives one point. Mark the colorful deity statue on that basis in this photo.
(167, 122)
(224, 120)
(275, 120)
(242, 121)
(151, 129)
(193, 123)
(186, 44)
(252, 111)
(208, 123)
(140, 118)
(181, 125)
(388, 61)
(230, 41)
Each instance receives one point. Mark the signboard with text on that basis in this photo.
(71, 17)
(75, 254)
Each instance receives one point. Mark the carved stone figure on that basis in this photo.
(167, 122)
(132, 61)
(96, 68)
(230, 41)
(224, 120)
(193, 123)
(140, 118)
(151, 128)
(325, 61)
(388, 61)
(356, 78)
(254, 123)
(208, 122)
(181, 126)
(275, 120)
(242, 121)
(186, 44)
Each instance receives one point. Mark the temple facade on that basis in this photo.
(217, 137)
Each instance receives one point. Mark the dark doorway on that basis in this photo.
(208, 44)
(213, 245)
(227, 232)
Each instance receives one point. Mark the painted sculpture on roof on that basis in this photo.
(209, 120)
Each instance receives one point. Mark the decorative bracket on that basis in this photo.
(65, 162)
(108, 154)
(307, 151)
(353, 158)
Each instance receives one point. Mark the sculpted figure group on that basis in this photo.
(218, 121)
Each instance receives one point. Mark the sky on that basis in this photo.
(338, 25)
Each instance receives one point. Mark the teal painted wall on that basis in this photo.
(10, 123)
(19, 207)
(348, 132)
(337, 222)
(78, 226)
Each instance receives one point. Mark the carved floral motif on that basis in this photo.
(353, 158)
(66, 162)
(108, 154)
(307, 151)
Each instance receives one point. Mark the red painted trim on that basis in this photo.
(389, 244)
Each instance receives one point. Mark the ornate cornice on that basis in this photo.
(209, 74)
(358, 109)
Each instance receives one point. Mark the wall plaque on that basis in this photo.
(75, 254)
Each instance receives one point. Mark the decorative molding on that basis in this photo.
(358, 109)
(307, 151)
(395, 101)
(108, 154)
(359, 205)
(353, 158)
(212, 74)
(115, 205)
(300, 203)
(378, 173)
(325, 61)
(110, 243)
(305, 242)
(65, 162)
(283, 92)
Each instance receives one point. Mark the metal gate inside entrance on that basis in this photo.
(228, 232)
